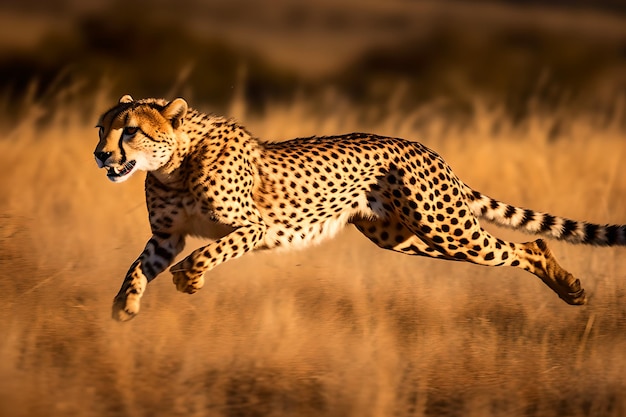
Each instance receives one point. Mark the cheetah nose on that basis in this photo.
(102, 156)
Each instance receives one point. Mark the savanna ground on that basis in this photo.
(342, 329)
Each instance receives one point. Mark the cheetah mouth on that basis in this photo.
(115, 173)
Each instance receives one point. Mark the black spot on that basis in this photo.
(162, 252)
(149, 270)
(489, 256)
(541, 244)
(460, 255)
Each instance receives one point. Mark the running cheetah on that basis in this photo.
(205, 170)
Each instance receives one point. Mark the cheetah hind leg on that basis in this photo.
(392, 235)
(542, 263)
(534, 257)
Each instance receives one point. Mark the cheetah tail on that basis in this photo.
(555, 227)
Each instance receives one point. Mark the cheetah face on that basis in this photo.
(138, 136)
(117, 164)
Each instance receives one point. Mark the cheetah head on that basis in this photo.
(139, 135)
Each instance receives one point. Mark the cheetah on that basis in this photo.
(205, 170)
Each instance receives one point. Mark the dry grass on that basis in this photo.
(343, 329)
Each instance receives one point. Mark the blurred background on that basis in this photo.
(542, 54)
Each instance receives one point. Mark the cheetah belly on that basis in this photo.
(285, 232)
(279, 236)
(300, 235)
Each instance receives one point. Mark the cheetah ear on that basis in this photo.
(175, 112)
(126, 99)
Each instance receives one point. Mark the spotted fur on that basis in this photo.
(205, 170)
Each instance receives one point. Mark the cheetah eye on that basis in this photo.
(100, 131)
(130, 131)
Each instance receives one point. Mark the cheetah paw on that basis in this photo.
(186, 281)
(573, 293)
(125, 307)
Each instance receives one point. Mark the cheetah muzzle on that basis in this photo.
(205, 171)
(115, 173)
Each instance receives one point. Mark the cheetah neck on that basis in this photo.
(202, 137)
(170, 174)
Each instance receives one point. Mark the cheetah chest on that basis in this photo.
(201, 222)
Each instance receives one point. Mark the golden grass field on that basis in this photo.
(343, 329)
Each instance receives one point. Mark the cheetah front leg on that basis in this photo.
(188, 274)
(158, 254)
